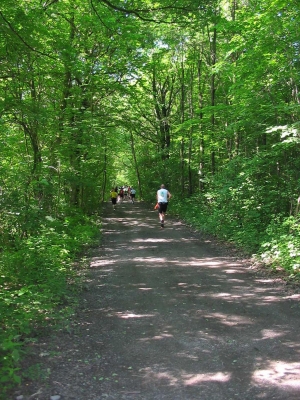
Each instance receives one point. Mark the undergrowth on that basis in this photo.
(38, 276)
(274, 243)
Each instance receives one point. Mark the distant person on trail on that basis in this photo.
(162, 196)
(121, 195)
(132, 194)
(114, 196)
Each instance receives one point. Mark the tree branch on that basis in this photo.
(100, 19)
(22, 40)
(137, 12)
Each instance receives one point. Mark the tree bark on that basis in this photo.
(136, 164)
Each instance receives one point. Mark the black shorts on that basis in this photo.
(132, 195)
(162, 207)
(114, 200)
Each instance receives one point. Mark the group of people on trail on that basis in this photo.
(118, 194)
(126, 192)
(162, 198)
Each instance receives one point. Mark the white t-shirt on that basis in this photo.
(162, 196)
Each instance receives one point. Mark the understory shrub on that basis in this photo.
(35, 284)
(249, 205)
(282, 247)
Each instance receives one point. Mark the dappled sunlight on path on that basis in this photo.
(195, 323)
(170, 315)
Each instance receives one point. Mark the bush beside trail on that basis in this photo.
(39, 275)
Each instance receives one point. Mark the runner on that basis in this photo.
(132, 194)
(114, 196)
(121, 195)
(162, 196)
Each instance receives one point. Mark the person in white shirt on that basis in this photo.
(132, 194)
(162, 196)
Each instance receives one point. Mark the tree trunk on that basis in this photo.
(201, 142)
(162, 106)
(182, 119)
(104, 169)
(213, 54)
(136, 164)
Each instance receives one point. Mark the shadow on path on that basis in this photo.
(168, 316)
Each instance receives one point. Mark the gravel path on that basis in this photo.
(168, 315)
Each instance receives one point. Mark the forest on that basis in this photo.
(201, 95)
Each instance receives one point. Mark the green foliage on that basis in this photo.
(93, 94)
(36, 280)
(238, 208)
(282, 246)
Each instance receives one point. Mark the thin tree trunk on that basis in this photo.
(136, 164)
(201, 144)
(213, 94)
(163, 98)
(104, 169)
(182, 119)
(190, 150)
(297, 207)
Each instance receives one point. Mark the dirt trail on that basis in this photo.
(169, 316)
